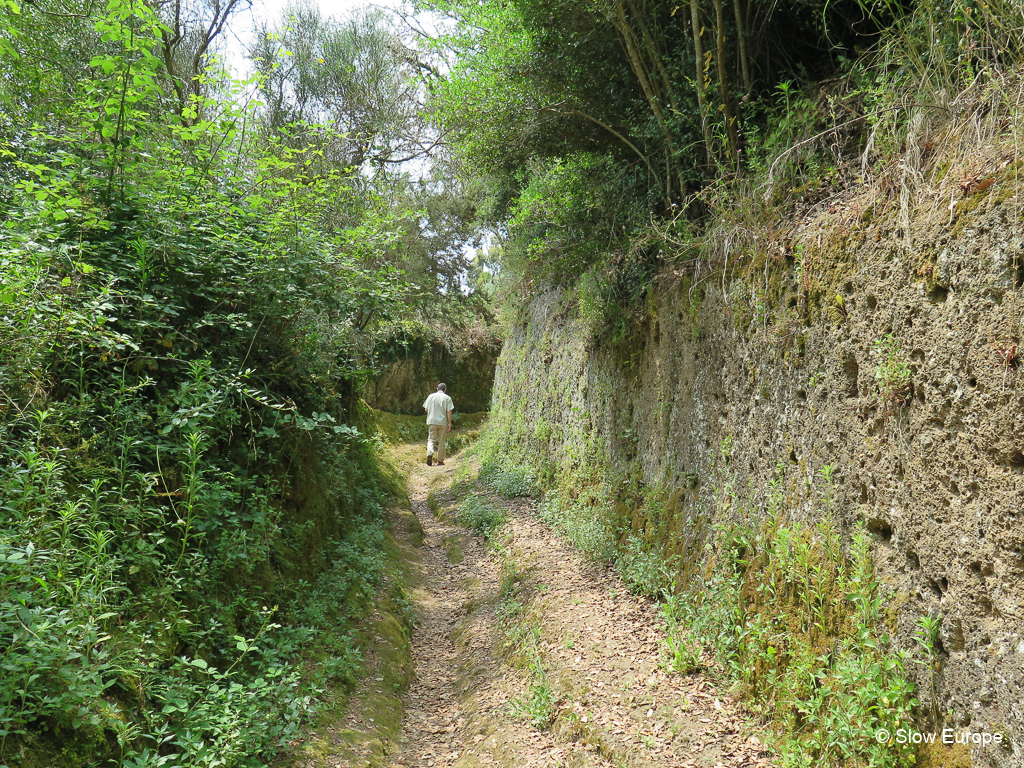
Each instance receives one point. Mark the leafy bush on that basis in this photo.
(571, 212)
(581, 524)
(641, 568)
(186, 506)
(682, 646)
(476, 513)
(508, 479)
(831, 680)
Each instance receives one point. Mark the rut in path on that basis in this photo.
(591, 643)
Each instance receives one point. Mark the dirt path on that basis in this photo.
(452, 562)
(527, 655)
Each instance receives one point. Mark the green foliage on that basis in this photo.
(683, 650)
(477, 513)
(538, 705)
(892, 373)
(347, 92)
(581, 522)
(569, 214)
(508, 478)
(595, 159)
(122, 619)
(780, 122)
(347, 73)
(940, 48)
(643, 569)
(928, 643)
(794, 618)
(188, 505)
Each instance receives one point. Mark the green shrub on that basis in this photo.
(797, 622)
(509, 480)
(581, 524)
(179, 350)
(643, 569)
(476, 513)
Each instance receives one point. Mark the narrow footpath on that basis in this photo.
(525, 654)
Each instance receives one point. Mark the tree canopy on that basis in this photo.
(590, 119)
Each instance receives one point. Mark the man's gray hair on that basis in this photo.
(442, 387)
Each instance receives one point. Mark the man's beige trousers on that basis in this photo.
(435, 437)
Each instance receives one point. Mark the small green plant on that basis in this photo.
(725, 448)
(892, 373)
(582, 524)
(683, 652)
(927, 639)
(682, 649)
(795, 617)
(509, 480)
(643, 569)
(476, 513)
(538, 705)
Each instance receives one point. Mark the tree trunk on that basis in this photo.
(655, 50)
(723, 83)
(702, 102)
(741, 32)
(650, 88)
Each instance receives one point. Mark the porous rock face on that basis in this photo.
(781, 356)
(403, 385)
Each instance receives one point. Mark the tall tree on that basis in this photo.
(354, 75)
(193, 32)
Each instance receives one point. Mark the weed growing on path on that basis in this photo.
(682, 648)
(508, 479)
(522, 630)
(538, 704)
(483, 517)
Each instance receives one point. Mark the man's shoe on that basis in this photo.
(430, 459)
(440, 463)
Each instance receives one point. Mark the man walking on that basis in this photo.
(439, 409)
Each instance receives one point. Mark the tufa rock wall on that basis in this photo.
(783, 355)
(405, 382)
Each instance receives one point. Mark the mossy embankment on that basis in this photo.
(412, 367)
(360, 724)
